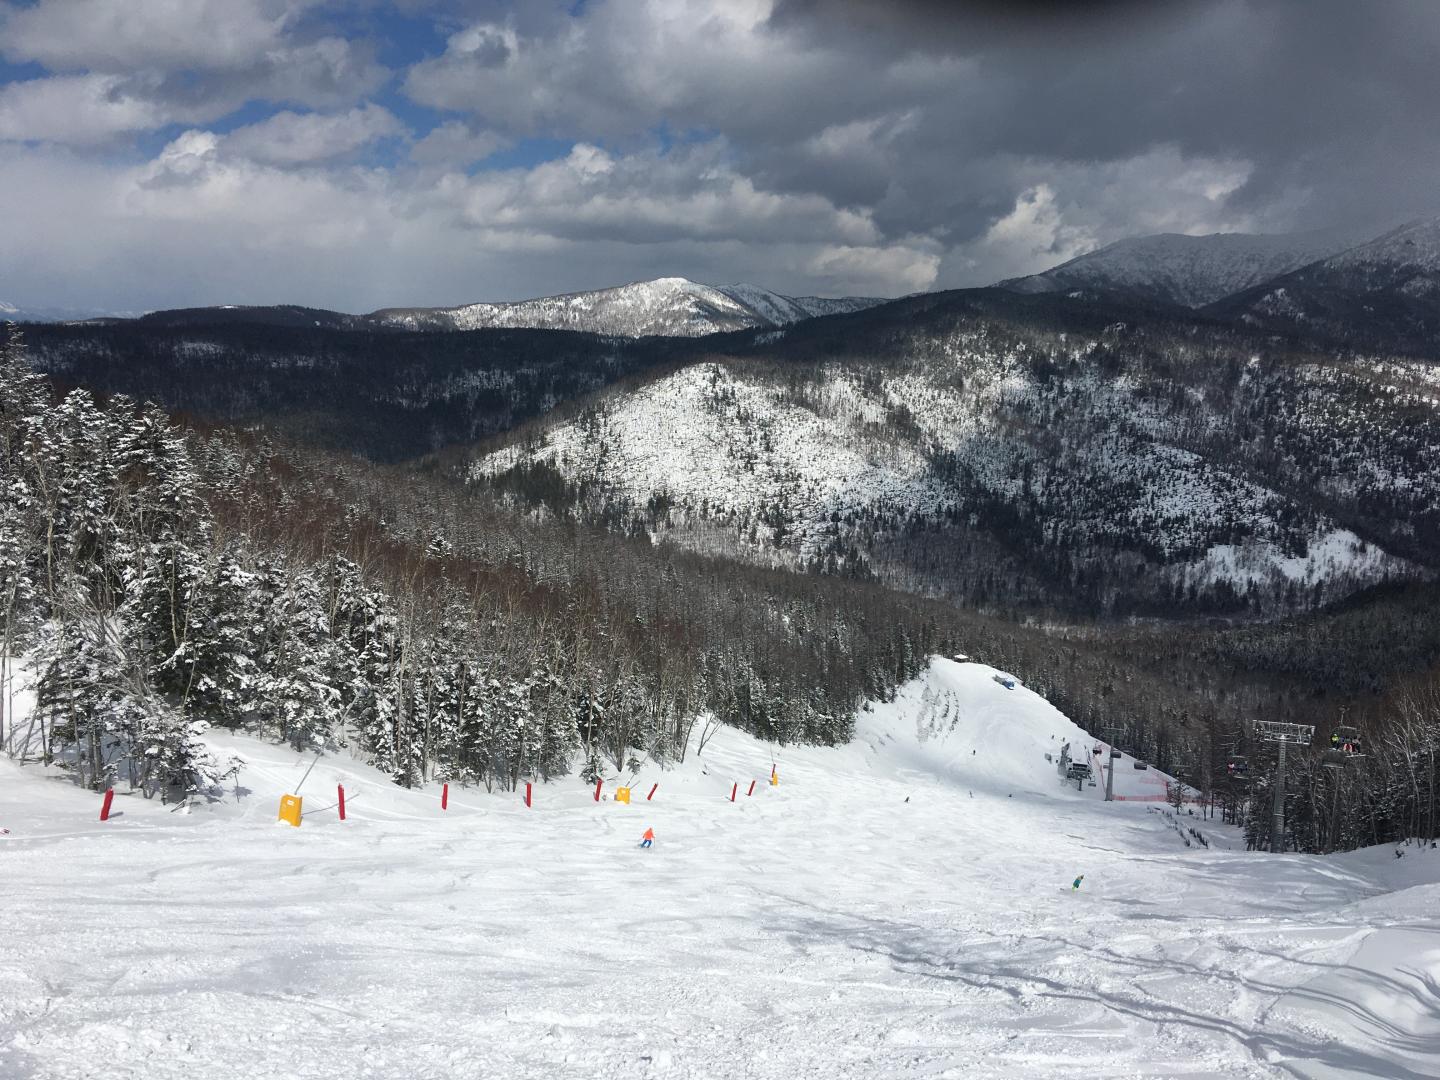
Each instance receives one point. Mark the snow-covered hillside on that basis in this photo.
(1415, 245)
(809, 470)
(672, 306)
(777, 310)
(726, 447)
(1191, 271)
(901, 906)
(1381, 295)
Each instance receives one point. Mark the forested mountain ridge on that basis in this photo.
(1189, 271)
(1018, 450)
(386, 394)
(1336, 290)
(1381, 295)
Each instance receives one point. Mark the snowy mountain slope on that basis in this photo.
(668, 306)
(726, 447)
(777, 310)
(843, 467)
(671, 306)
(887, 909)
(1413, 247)
(1191, 271)
(1384, 294)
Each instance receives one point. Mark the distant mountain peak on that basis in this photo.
(1191, 271)
(1416, 244)
(14, 313)
(669, 306)
(1381, 295)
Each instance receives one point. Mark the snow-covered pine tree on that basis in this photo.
(300, 686)
(167, 525)
(214, 672)
(19, 595)
(176, 762)
(363, 621)
(90, 692)
(559, 736)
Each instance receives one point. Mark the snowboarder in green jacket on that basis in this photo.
(1074, 885)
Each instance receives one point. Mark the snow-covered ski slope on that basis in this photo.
(899, 907)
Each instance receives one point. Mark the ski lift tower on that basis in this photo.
(1110, 755)
(1273, 731)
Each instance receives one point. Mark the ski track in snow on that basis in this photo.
(900, 907)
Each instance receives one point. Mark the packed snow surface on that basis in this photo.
(899, 907)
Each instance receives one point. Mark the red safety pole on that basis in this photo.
(445, 797)
(598, 785)
(527, 792)
(340, 790)
(105, 806)
(752, 789)
(733, 789)
(652, 791)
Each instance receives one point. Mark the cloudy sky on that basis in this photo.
(157, 153)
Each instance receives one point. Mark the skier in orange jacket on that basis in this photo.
(648, 838)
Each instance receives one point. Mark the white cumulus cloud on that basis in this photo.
(290, 138)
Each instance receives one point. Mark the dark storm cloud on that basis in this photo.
(970, 24)
(1333, 103)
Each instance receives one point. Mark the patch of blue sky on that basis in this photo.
(524, 154)
(400, 39)
(667, 138)
(21, 71)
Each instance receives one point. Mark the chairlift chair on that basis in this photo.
(1344, 746)
(1141, 765)
(1237, 767)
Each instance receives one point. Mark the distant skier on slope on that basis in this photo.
(1075, 885)
(648, 838)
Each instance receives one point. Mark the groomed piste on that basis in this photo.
(901, 906)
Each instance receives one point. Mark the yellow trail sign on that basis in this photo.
(290, 809)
